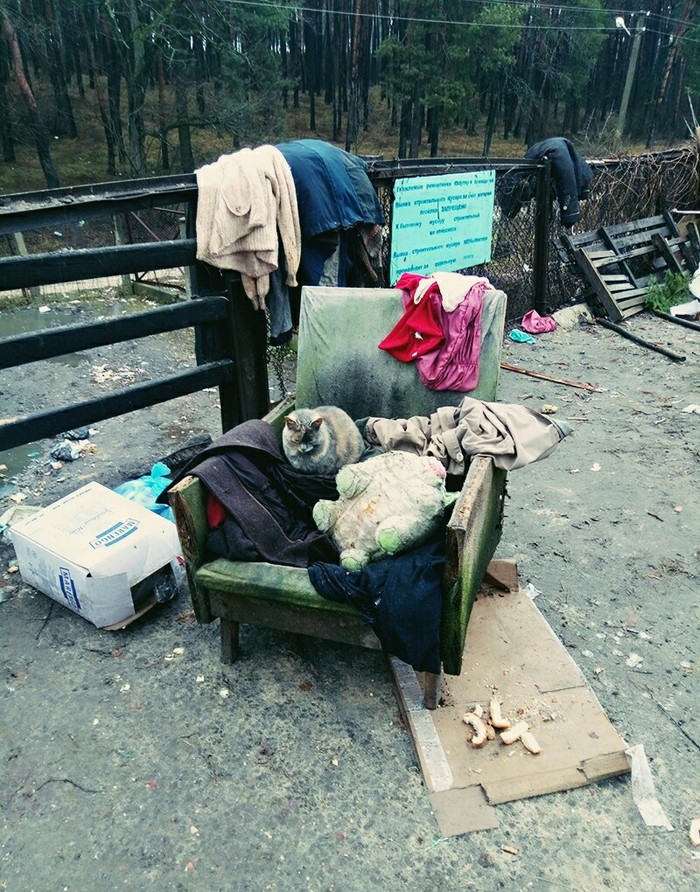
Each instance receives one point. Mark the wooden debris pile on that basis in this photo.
(620, 262)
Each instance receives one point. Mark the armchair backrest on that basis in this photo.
(339, 362)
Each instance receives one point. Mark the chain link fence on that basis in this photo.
(622, 189)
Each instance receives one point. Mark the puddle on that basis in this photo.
(16, 460)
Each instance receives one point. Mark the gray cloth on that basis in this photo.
(512, 435)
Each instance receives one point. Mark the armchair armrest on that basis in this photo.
(188, 499)
(472, 535)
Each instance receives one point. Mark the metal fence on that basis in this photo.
(528, 261)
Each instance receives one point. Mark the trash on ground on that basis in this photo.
(694, 832)
(533, 323)
(643, 791)
(146, 489)
(522, 337)
(70, 450)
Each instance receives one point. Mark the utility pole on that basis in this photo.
(629, 80)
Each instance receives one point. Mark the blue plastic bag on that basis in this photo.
(146, 490)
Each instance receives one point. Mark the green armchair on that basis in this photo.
(339, 363)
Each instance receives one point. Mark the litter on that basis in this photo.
(521, 337)
(643, 791)
(536, 324)
(146, 489)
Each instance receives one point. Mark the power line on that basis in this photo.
(294, 7)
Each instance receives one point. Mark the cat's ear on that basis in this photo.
(290, 422)
(317, 422)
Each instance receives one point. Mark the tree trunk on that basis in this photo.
(353, 124)
(101, 103)
(405, 127)
(683, 25)
(200, 73)
(434, 130)
(6, 134)
(64, 120)
(114, 86)
(41, 134)
(162, 115)
(310, 68)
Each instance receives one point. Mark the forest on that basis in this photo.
(95, 89)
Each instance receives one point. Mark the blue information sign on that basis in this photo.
(441, 223)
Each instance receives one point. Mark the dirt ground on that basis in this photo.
(136, 760)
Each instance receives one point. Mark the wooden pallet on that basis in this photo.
(621, 261)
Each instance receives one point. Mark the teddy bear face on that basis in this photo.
(388, 504)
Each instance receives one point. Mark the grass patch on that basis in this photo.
(669, 293)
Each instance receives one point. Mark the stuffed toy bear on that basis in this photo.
(387, 504)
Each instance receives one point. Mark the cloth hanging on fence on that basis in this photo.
(247, 211)
(571, 173)
(339, 213)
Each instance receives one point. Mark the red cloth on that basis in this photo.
(419, 330)
(215, 512)
(536, 324)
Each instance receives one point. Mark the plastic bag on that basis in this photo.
(146, 490)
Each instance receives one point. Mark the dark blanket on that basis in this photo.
(400, 597)
(334, 196)
(268, 503)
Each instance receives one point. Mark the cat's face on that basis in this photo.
(303, 436)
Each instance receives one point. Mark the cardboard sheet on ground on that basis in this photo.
(510, 649)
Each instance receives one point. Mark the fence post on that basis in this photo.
(540, 261)
(121, 237)
(242, 338)
(18, 238)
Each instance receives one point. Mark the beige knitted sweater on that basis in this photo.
(244, 200)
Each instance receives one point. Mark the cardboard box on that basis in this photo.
(97, 553)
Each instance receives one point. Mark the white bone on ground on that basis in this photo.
(512, 734)
(480, 737)
(527, 738)
(495, 717)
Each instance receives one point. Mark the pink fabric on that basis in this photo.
(536, 324)
(454, 364)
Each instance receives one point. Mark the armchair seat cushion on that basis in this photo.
(267, 582)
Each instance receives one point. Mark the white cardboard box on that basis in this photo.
(89, 549)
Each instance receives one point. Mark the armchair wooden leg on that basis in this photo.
(230, 631)
(430, 689)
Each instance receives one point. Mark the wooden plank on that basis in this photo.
(694, 239)
(427, 746)
(639, 238)
(644, 223)
(663, 246)
(48, 424)
(632, 295)
(633, 309)
(613, 278)
(24, 211)
(21, 349)
(94, 263)
(617, 288)
(598, 286)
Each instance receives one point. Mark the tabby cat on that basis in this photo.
(321, 440)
